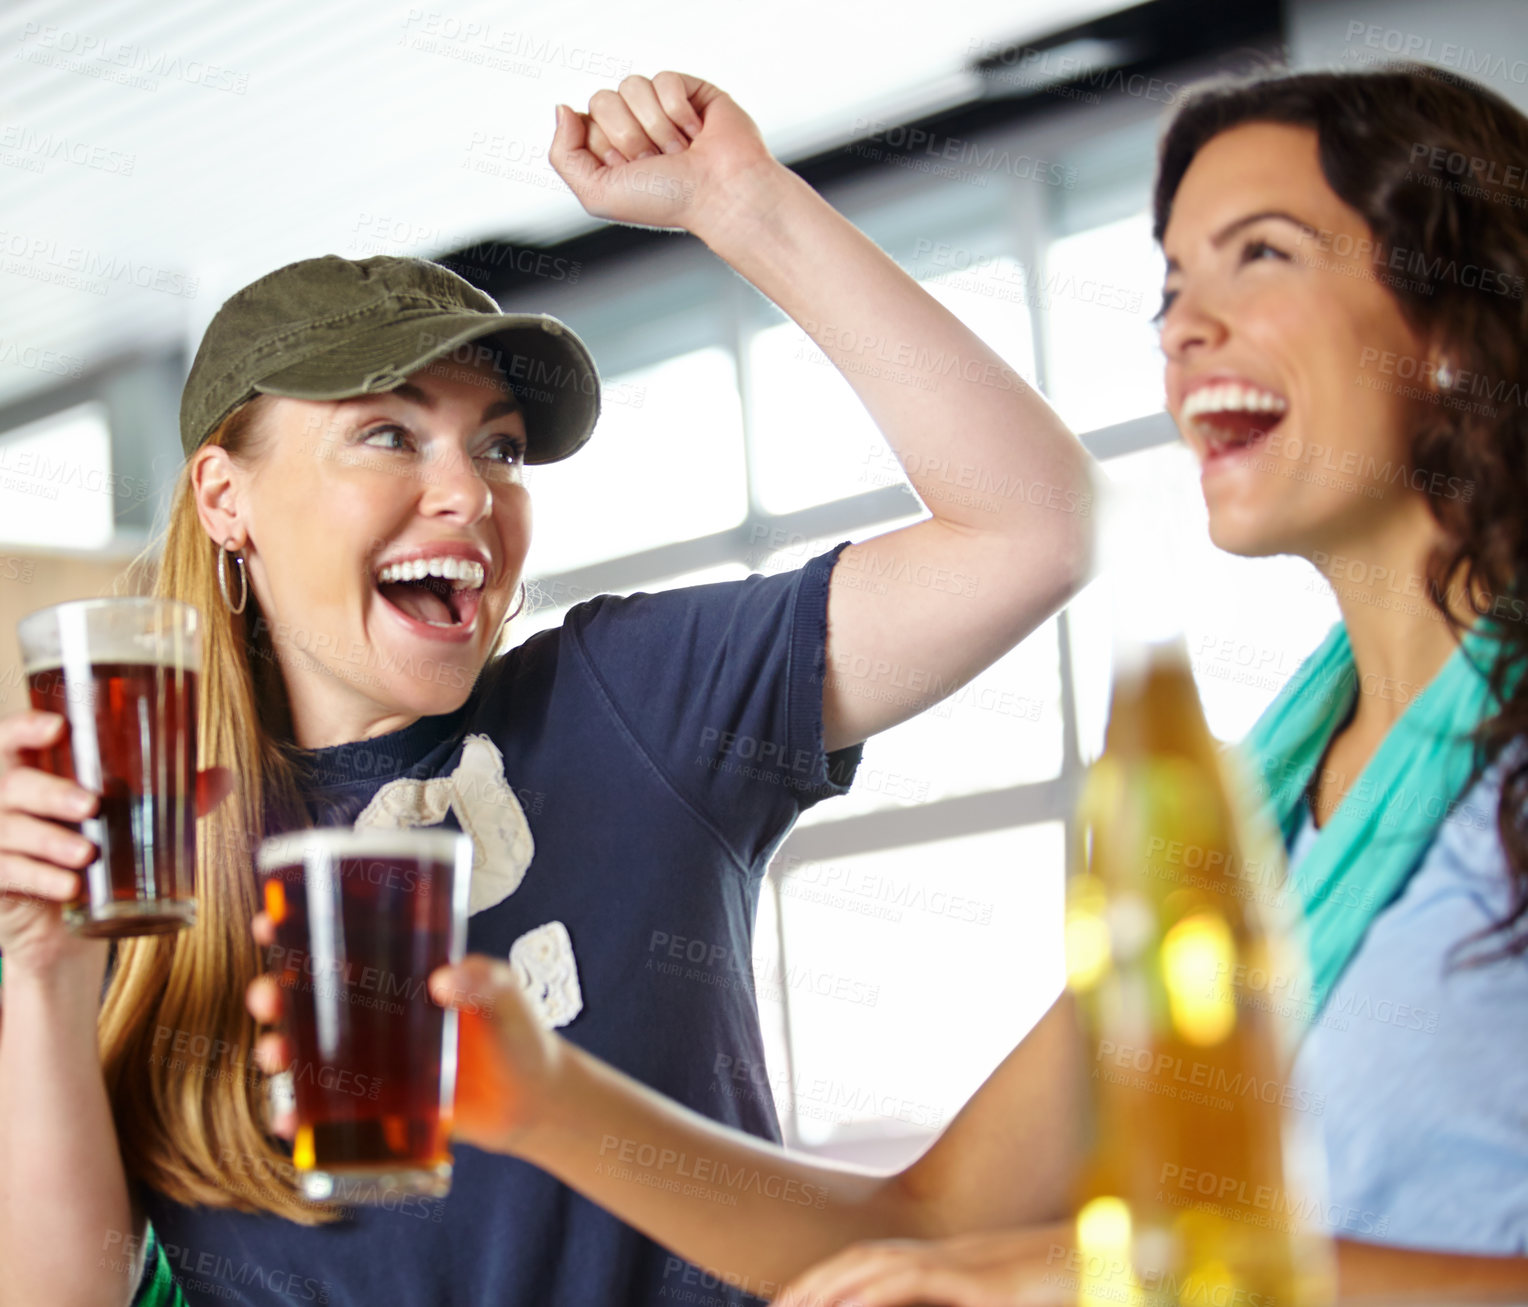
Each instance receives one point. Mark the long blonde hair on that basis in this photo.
(177, 1045)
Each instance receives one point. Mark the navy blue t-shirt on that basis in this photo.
(659, 747)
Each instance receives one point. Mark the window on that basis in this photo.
(907, 976)
(1248, 622)
(989, 291)
(1003, 728)
(547, 605)
(1101, 288)
(813, 440)
(56, 483)
(670, 467)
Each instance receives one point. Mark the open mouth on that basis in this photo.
(443, 593)
(1233, 417)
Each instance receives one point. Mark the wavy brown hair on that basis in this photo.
(1435, 165)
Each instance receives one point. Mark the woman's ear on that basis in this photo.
(215, 486)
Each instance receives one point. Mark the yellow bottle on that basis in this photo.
(1187, 1198)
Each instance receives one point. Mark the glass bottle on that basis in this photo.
(1201, 1181)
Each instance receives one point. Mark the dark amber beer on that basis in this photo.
(362, 918)
(123, 674)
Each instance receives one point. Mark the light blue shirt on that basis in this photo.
(1421, 1069)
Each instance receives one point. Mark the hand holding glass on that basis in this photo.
(361, 918)
(123, 674)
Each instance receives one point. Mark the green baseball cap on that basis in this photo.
(334, 328)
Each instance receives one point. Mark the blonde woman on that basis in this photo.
(352, 523)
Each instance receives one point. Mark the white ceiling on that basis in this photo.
(275, 131)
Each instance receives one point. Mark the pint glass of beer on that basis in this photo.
(362, 918)
(123, 674)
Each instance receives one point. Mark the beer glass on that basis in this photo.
(123, 674)
(362, 918)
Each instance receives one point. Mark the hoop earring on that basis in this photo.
(238, 560)
(519, 607)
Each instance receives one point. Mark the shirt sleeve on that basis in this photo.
(721, 687)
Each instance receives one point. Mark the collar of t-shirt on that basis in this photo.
(380, 758)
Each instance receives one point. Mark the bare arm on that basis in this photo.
(66, 1225)
(1040, 1264)
(1010, 1157)
(746, 1209)
(1009, 487)
(67, 1232)
(1007, 484)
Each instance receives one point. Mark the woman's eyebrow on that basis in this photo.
(409, 391)
(1231, 228)
(506, 407)
(1237, 224)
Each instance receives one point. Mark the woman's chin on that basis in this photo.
(1246, 537)
(426, 679)
(433, 698)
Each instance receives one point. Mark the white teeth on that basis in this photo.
(1231, 397)
(462, 572)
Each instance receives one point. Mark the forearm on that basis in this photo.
(952, 410)
(740, 1207)
(66, 1228)
(1374, 1270)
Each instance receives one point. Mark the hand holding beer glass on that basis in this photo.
(356, 921)
(122, 673)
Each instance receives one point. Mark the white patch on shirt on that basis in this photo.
(543, 960)
(502, 848)
(486, 808)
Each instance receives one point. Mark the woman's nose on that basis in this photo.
(454, 485)
(1190, 323)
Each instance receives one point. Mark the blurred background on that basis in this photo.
(156, 155)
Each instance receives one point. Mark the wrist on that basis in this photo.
(556, 1114)
(69, 976)
(749, 204)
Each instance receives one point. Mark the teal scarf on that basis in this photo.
(1376, 838)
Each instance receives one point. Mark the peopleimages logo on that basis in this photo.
(93, 54)
(1165, 1067)
(437, 32)
(46, 146)
(982, 159)
(96, 269)
(725, 966)
(524, 368)
(1484, 65)
(212, 1273)
(15, 354)
(742, 1178)
(822, 1097)
(1243, 1200)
